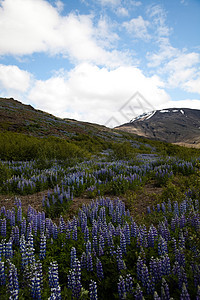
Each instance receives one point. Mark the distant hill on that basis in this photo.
(18, 117)
(174, 125)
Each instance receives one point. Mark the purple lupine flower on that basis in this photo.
(162, 246)
(2, 273)
(134, 229)
(123, 243)
(152, 236)
(166, 268)
(23, 226)
(42, 253)
(155, 266)
(94, 229)
(140, 264)
(93, 290)
(13, 284)
(89, 262)
(3, 228)
(55, 293)
(181, 274)
(184, 293)
(129, 283)
(9, 251)
(101, 241)
(53, 275)
(95, 243)
(83, 260)
(180, 257)
(181, 240)
(99, 269)
(127, 234)
(74, 279)
(55, 231)
(196, 274)
(138, 293)
(182, 221)
(176, 208)
(121, 288)
(73, 257)
(16, 235)
(165, 290)
(35, 287)
(88, 247)
(74, 233)
(145, 278)
(61, 225)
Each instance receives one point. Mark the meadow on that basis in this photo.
(126, 241)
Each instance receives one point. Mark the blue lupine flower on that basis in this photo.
(99, 269)
(184, 293)
(74, 279)
(13, 284)
(35, 287)
(93, 290)
(2, 273)
(162, 246)
(122, 242)
(3, 228)
(121, 288)
(138, 293)
(73, 257)
(129, 283)
(53, 275)
(165, 290)
(42, 253)
(83, 260)
(89, 262)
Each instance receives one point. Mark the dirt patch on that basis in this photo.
(34, 200)
(138, 201)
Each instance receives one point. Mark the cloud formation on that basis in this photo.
(36, 26)
(138, 27)
(12, 78)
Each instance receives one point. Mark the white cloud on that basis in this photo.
(179, 67)
(193, 85)
(59, 5)
(158, 16)
(12, 78)
(29, 26)
(187, 103)
(138, 27)
(136, 3)
(166, 52)
(95, 94)
(182, 68)
(122, 12)
(110, 2)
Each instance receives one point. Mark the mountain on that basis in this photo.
(174, 125)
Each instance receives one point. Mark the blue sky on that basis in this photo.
(84, 59)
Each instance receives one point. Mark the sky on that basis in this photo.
(101, 61)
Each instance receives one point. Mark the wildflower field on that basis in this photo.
(108, 249)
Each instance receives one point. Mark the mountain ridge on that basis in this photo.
(173, 125)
